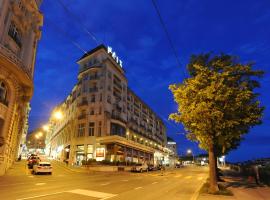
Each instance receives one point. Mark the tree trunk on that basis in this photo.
(213, 186)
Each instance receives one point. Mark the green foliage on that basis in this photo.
(218, 104)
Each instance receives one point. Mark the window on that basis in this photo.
(3, 93)
(99, 129)
(100, 97)
(117, 129)
(109, 99)
(93, 98)
(100, 110)
(81, 130)
(15, 34)
(92, 112)
(109, 74)
(91, 129)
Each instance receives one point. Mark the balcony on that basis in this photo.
(93, 77)
(92, 90)
(118, 117)
(9, 55)
(83, 103)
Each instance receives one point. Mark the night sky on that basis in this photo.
(132, 28)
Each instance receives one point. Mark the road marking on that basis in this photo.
(44, 195)
(124, 180)
(188, 177)
(200, 178)
(103, 184)
(137, 188)
(154, 183)
(91, 193)
(40, 183)
(31, 176)
(179, 175)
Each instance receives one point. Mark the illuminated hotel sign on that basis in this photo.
(114, 56)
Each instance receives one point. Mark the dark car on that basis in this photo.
(32, 160)
(151, 168)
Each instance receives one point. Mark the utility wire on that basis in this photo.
(67, 36)
(78, 20)
(167, 33)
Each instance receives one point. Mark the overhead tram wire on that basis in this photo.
(67, 36)
(167, 34)
(78, 20)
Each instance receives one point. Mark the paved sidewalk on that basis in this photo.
(242, 189)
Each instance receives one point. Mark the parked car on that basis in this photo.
(151, 168)
(178, 165)
(140, 168)
(31, 161)
(42, 167)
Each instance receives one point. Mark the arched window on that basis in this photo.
(3, 93)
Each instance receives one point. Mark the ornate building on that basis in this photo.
(20, 22)
(103, 119)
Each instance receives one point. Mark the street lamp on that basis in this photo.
(45, 127)
(189, 151)
(58, 115)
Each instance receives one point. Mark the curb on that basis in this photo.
(197, 192)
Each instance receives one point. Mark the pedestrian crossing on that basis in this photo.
(198, 177)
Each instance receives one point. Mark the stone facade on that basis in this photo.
(20, 22)
(103, 119)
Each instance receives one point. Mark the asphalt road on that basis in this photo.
(180, 184)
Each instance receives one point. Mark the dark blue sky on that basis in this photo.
(132, 28)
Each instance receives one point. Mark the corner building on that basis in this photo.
(20, 22)
(103, 119)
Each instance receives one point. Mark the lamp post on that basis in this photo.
(189, 151)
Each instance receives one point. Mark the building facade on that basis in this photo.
(20, 22)
(103, 119)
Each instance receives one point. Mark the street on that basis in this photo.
(66, 184)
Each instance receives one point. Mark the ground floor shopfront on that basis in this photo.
(114, 149)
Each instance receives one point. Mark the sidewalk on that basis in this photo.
(241, 188)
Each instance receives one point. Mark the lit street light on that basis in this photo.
(58, 115)
(45, 127)
(189, 151)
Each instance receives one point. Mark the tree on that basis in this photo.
(217, 104)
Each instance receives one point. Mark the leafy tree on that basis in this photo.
(217, 104)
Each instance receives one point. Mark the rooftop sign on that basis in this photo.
(114, 56)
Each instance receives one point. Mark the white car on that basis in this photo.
(42, 167)
(140, 168)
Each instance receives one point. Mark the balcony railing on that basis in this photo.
(83, 103)
(8, 54)
(94, 89)
(82, 116)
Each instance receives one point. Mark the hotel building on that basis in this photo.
(20, 22)
(103, 119)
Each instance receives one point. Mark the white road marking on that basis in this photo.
(200, 178)
(154, 183)
(31, 176)
(103, 184)
(124, 180)
(91, 193)
(188, 177)
(40, 183)
(44, 195)
(137, 188)
(179, 175)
